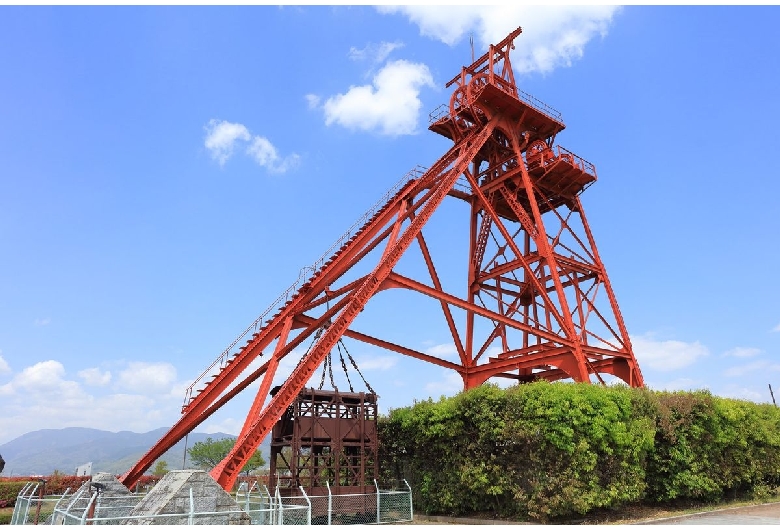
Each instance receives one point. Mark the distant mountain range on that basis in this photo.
(44, 451)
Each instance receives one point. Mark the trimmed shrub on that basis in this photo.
(552, 450)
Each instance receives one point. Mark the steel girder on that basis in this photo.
(538, 303)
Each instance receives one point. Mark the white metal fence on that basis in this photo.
(255, 505)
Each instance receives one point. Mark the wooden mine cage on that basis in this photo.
(324, 439)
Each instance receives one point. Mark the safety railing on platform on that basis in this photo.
(575, 160)
(304, 275)
(442, 111)
(540, 105)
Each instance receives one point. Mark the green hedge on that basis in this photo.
(9, 490)
(548, 450)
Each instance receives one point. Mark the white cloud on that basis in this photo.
(449, 385)
(776, 328)
(443, 350)
(682, 383)
(221, 137)
(265, 154)
(95, 377)
(4, 368)
(42, 321)
(390, 105)
(666, 355)
(742, 369)
(313, 101)
(227, 426)
(553, 35)
(42, 376)
(745, 394)
(376, 53)
(42, 396)
(384, 362)
(445, 23)
(146, 378)
(740, 351)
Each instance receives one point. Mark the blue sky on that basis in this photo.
(165, 172)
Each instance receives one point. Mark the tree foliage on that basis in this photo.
(160, 468)
(207, 454)
(548, 450)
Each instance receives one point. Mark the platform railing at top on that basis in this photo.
(575, 160)
(540, 105)
(443, 110)
(304, 275)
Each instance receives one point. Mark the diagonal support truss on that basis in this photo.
(535, 302)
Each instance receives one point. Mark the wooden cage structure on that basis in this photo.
(326, 439)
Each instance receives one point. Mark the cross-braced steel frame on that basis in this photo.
(537, 304)
(326, 441)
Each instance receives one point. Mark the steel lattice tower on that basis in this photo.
(537, 302)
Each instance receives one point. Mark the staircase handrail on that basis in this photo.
(304, 275)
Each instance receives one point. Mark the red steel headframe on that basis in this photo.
(537, 305)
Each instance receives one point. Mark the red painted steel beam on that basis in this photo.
(445, 172)
(514, 267)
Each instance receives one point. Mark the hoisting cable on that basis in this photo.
(330, 372)
(354, 364)
(327, 366)
(344, 366)
(324, 367)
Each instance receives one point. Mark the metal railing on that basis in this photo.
(254, 505)
(443, 110)
(304, 275)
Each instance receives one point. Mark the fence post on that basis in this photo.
(330, 501)
(378, 515)
(18, 503)
(75, 498)
(270, 512)
(192, 509)
(29, 501)
(281, 507)
(308, 521)
(41, 494)
(411, 505)
(57, 505)
(86, 510)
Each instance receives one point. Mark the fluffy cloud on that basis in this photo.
(144, 378)
(264, 153)
(755, 366)
(442, 350)
(384, 362)
(223, 138)
(742, 352)
(744, 394)
(666, 355)
(776, 328)
(42, 395)
(42, 377)
(376, 53)
(4, 368)
(95, 377)
(450, 384)
(553, 35)
(390, 105)
(674, 385)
